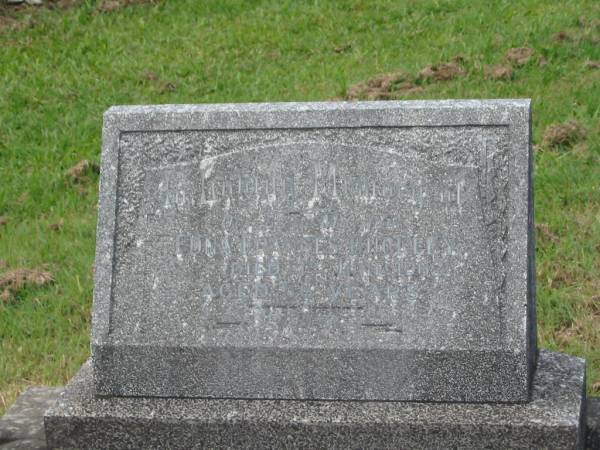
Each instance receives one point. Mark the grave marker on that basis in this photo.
(263, 269)
(372, 251)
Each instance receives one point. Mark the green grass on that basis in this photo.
(63, 68)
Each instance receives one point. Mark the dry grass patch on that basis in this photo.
(383, 87)
(8, 23)
(583, 328)
(81, 170)
(543, 230)
(443, 71)
(342, 48)
(593, 305)
(565, 334)
(57, 225)
(581, 149)
(563, 134)
(586, 31)
(108, 6)
(149, 75)
(168, 86)
(592, 64)
(586, 219)
(519, 56)
(561, 277)
(499, 72)
(393, 85)
(562, 36)
(15, 280)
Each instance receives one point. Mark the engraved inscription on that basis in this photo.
(293, 242)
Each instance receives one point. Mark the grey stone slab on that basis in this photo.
(593, 424)
(552, 420)
(22, 426)
(372, 251)
(24, 444)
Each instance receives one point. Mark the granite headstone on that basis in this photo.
(348, 251)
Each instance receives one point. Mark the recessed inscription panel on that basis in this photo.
(310, 235)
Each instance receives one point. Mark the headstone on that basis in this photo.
(262, 269)
(375, 251)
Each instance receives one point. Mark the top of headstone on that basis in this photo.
(307, 113)
(368, 250)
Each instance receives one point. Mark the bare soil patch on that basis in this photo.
(14, 280)
(543, 230)
(342, 48)
(592, 64)
(82, 170)
(443, 71)
(519, 56)
(499, 72)
(57, 225)
(108, 6)
(562, 36)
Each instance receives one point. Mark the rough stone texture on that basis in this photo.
(376, 251)
(36, 401)
(552, 420)
(593, 424)
(22, 427)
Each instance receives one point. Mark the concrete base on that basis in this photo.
(22, 427)
(553, 419)
(593, 424)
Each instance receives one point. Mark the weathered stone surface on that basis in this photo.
(375, 251)
(593, 424)
(22, 427)
(552, 420)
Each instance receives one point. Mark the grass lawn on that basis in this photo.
(61, 67)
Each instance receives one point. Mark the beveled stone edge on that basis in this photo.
(122, 370)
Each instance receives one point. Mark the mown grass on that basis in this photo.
(61, 68)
